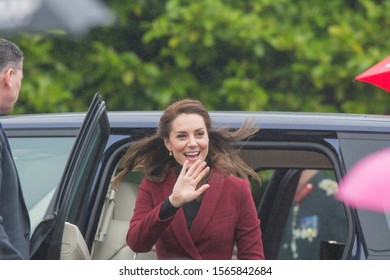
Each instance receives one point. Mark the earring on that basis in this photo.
(170, 153)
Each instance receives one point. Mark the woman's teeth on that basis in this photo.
(195, 154)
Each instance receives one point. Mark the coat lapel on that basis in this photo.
(208, 205)
(185, 238)
(179, 225)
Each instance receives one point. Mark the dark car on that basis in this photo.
(66, 163)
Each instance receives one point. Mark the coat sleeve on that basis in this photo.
(146, 227)
(248, 234)
(7, 251)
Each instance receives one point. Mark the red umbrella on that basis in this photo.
(367, 184)
(378, 75)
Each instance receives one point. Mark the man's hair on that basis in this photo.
(10, 55)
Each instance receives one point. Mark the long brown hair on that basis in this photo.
(150, 155)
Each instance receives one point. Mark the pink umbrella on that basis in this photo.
(378, 75)
(367, 184)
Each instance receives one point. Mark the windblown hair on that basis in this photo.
(10, 55)
(150, 155)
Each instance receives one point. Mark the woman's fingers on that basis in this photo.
(184, 168)
(202, 189)
(196, 169)
(185, 187)
(199, 169)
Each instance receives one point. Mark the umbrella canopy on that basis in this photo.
(73, 16)
(378, 75)
(367, 183)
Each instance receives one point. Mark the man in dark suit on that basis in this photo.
(14, 218)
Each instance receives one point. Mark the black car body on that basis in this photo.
(67, 180)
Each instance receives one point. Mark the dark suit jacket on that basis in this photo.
(227, 215)
(14, 218)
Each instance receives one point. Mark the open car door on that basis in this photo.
(75, 183)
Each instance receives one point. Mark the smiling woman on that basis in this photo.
(195, 201)
(188, 139)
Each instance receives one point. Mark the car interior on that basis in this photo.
(280, 171)
(110, 240)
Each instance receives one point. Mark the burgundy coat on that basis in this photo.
(227, 215)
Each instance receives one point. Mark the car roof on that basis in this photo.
(266, 120)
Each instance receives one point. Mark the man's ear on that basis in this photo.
(8, 75)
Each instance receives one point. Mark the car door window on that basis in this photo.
(75, 184)
(40, 162)
(316, 219)
(300, 217)
(373, 224)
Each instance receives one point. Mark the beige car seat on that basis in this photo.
(73, 245)
(110, 242)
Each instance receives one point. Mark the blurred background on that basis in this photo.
(256, 55)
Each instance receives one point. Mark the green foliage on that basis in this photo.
(233, 55)
(43, 88)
